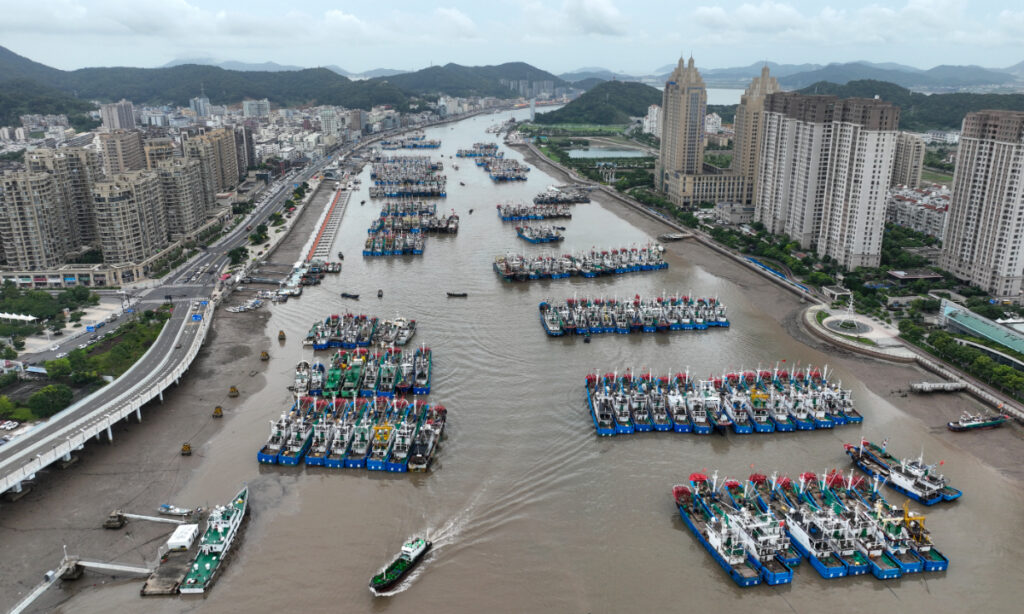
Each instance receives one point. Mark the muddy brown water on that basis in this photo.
(528, 509)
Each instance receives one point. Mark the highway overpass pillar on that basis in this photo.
(110, 434)
(67, 457)
(17, 487)
(161, 396)
(138, 413)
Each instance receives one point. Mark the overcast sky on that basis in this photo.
(634, 36)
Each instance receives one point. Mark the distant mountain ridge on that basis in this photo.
(275, 67)
(939, 77)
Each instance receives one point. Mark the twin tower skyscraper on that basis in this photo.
(816, 168)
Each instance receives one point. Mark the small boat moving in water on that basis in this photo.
(349, 295)
(457, 294)
(411, 554)
(977, 422)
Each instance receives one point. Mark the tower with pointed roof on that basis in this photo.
(683, 106)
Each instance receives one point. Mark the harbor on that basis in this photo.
(516, 467)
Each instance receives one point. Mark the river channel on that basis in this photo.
(529, 510)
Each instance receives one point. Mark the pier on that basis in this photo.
(330, 222)
(71, 568)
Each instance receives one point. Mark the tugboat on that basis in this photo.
(977, 422)
(411, 554)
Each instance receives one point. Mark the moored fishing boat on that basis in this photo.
(719, 537)
(427, 439)
(976, 422)
(911, 477)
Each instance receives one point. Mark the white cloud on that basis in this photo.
(918, 21)
(457, 23)
(544, 24)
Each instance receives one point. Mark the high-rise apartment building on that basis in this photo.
(157, 150)
(824, 171)
(245, 150)
(652, 121)
(182, 187)
(33, 223)
(908, 161)
(683, 106)
(200, 105)
(982, 242)
(747, 126)
(74, 171)
(122, 151)
(201, 149)
(256, 108)
(130, 217)
(118, 115)
(217, 146)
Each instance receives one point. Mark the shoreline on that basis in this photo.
(146, 466)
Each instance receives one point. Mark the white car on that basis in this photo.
(54, 348)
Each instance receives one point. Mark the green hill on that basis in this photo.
(21, 96)
(920, 112)
(175, 85)
(456, 80)
(611, 102)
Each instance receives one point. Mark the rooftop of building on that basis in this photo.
(983, 327)
(914, 274)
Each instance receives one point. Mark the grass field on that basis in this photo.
(934, 177)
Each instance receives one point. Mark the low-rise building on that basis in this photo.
(920, 209)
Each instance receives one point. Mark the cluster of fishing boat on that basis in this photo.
(742, 402)
(480, 150)
(512, 212)
(758, 531)
(378, 434)
(407, 176)
(399, 243)
(563, 195)
(593, 263)
(609, 315)
(407, 207)
(910, 476)
(540, 233)
(366, 373)
(416, 140)
(250, 305)
(352, 331)
(501, 170)
(416, 223)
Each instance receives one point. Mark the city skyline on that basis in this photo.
(559, 37)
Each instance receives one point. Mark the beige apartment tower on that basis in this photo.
(982, 240)
(122, 151)
(182, 186)
(908, 161)
(33, 223)
(824, 171)
(747, 126)
(130, 217)
(683, 106)
(158, 150)
(74, 170)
